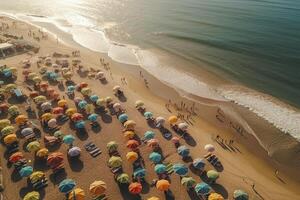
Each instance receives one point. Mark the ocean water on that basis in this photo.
(253, 43)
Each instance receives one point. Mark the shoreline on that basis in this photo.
(207, 109)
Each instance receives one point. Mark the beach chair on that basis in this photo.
(117, 170)
(169, 168)
(92, 149)
(101, 197)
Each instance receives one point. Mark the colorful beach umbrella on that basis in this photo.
(155, 157)
(139, 173)
(148, 115)
(4, 123)
(180, 169)
(132, 144)
(7, 130)
(21, 119)
(148, 135)
(209, 148)
(26, 171)
(153, 198)
(93, 117)
(86, 91)
(97, 188)
(66, 185)
(175, 139)
(32, 196)
(27, 131)
(123, 118)
(135, 188)
(160, 121)
(139, 103)
(46, 116)
(183, 126)
(74, 151)
(199, 163)
(240, 195)
(55, 159)
(132, 156)
(130, 124)
(9, 139)
(33, 146)
(212, 175)
(13, 110)
(160, 168)
(62, 103)
(153, 143)
(123, 178)
(42, 153)
(183, 151)
(115, 161)
(188, 182)
(68, 139)
(215, 196)
(71, 88)
(76, 117)
(58, 134)
(80, 124)
(100, 102)
(163, 185)
(15, 157)
(77, 194)
(173, 119)
(112, 146)
(52, 123)
(82, 104)
(57, 110)
(36, 176)
(94, 98)
(202, 188)
(129, 135)
(70, 111)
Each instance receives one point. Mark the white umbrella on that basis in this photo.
(209, 148)
(117, 106)
(52, 123)
(160, 120)
(183, 126)
(100, 74)
(46, 106)
(116, 88)
(74, 151)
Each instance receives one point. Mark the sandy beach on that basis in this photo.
(246, 164)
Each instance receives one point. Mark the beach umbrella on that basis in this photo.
(2, 91)
(173, 119)
(163, 185)
(153, 198)
(33, 146)
(37, 79)
(7, 130)
(4, 106)
(42, 153)
(50, 90)
(71, 88)
(47, 116)
(188, 182)
(16, 157)
(93, 117)
(117, 106)
(100, 75)
(52, 123)
(40, 99)
(139, 103)
(155, 157)
(116, 88)
(32, 196)
(4, 123)
(21, 119)
(212, 175)
(80, 124)
(180, 169)
(132, 144)
(76, 117)
(130, 124)
(66, 186)
(108, 99)
(9, 139)
(160, 120)
(36, 176)
(148, 135)
(183, 126)
(240, 195)
(209, 148)
(139, 173)
(10, 87)
(70, 111)
(199, 163)
(74, 151)
(33, 94)
(135, 188)
(115, 161)
(32, 75)
(202, 188)
(160, 168)
(26, 171)
(97, 188)
(123, 118)
(58, 134)
(89, 108)
(86, 91)
(27, 131)
(100, 102)
(7, 72)
(148, 115)
(46, 106)
(68, 139)
(152, 143)
(57, 110)
(55, 158)
(175, 139)
(83, 84)
(62, 103)
(68, 75)
(215, 196)
(183, 151)
(13, 110)
(82, 104)
(112, 146)
(55, 65)
(13, 69)
(132, 156)
(123, 178)
(94, 98)
(129, 135)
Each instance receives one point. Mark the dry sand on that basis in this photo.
(243, 168)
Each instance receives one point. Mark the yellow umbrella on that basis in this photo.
(97, 188)
(108, 99)
(21, 119)
(115, 161)
(100, 102)
(132, 156)
(37, 79)
(9, 139)
(77, 194)
(13, 69)
(43, 152)
(68, 75)
(70, 111)
(62, 103)
(47, 116)
(32, 75)
(153, 198)
(35, 176)
(173, 119)
(89, 109)
(215, 196)
(32, 196)
(139, 103)
(4, 123)
(130, 124)
(33, 146)
(10, 87)
(129, 134)
(40, 99)
(86, 91)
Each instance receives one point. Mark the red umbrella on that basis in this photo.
(44, 85)
(76, 117)
(33, 94)
(132, 144)
(135, 188)
(57, 110)
(83, 84)
(4, 106)
(16, 157)
(55, 159)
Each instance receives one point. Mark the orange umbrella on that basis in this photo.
(21, 119)
(135, 188)
(173, 119)
(132, 144)
(55, 158)
(132, 156)
(9, 139)
(54, 95)
(83, 84)
(4, 106)
(76, 117)
(163, 185)
(97, 188)
(77, 194)
(15, 157)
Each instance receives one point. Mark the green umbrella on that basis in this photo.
(115, 161)
(112, 146)
(212, 175)
(123, 178)
(7, 130)
(13, 110)
(33, 146)
(68, 139)
(58, 134)
(240, 195)
(188, 182)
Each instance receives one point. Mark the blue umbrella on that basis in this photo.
(68, 139)
(52, 75)
(160, 168)
(202, 188)
(92, 117)
(123, 118)
(183, 151)
(155, 157)
(7, 72)
(71, 88)
(82, 104)
(199, 163)
(180, 169)
(139, 173)
(148, 115)
(80, 124)
(66, 185)
(26, 171)
(94, 98)
(148, 135)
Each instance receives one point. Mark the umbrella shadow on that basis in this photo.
(15, 176)
(189, 139)
(61, 87)
(122, 98)
(169, 195)
(53, 147)
(82, 134)
(15, 100)
(126, 195)
(106, 118)
(23, 191)
(166, 133)
(193, 195)
(58, 177)
(151, 123)
(40, 164)
(187, 159)
(96, 129)
(194, 170)
(146, 187)
(76, 164)
(220, 189)
(103, 81)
